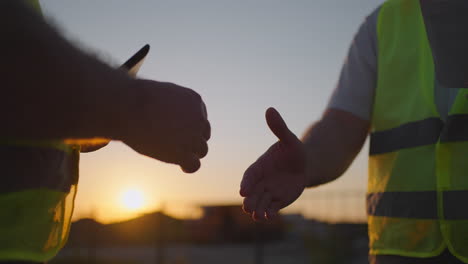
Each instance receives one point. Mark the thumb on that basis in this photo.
(278, 126)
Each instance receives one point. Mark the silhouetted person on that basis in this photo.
(53, 93)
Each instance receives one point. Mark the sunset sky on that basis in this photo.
(242, 57)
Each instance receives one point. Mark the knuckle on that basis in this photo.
(204, 150)
(207, 131)
(192, 94)
(196, 95)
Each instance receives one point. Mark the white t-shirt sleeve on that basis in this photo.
(355, 90)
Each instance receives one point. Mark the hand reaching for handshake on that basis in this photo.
(278, 177)
(167, 122)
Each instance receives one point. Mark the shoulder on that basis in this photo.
(354, 92)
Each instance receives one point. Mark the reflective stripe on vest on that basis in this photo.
(420, 205)
(420, 133)
(418, 165)
(409, 135)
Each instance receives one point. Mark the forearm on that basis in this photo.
(50, 89)
(332, 144)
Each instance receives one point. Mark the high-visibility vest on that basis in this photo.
(418, 164)
(37, 191)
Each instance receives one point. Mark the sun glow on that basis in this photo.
(132, 199)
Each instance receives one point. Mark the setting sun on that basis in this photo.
(132, 199)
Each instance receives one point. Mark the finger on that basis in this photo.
(190, 163)
(207, 131)
(272, 210)
(278, 126)
(262, 205)
(250, 203)
(251, 177)
(200, 148)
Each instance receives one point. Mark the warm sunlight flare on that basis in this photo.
(132, 199)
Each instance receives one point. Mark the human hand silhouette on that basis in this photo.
(169, 123)
(278, 177)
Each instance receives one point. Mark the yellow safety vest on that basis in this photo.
(418, 164)
(37, 192)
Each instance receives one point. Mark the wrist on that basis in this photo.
(107, 98)
(122, 107)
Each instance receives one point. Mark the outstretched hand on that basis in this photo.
(278, 177)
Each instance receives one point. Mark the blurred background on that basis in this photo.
(242, 57)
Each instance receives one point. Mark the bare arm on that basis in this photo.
(52, 90)
(332, 144)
